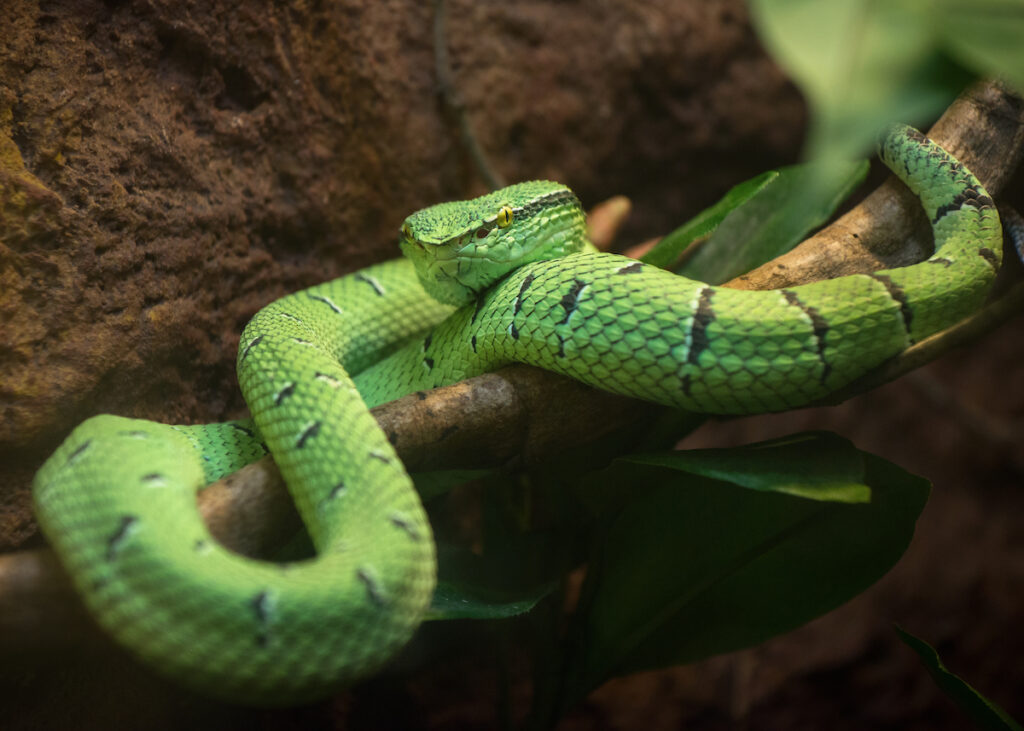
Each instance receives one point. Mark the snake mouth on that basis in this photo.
(440, 271)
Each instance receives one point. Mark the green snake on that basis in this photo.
(512, 279)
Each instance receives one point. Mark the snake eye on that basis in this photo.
(504, 216)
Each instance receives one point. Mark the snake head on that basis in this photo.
(460, 248)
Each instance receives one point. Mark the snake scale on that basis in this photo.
(117, 498)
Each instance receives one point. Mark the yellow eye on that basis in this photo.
(504, 216)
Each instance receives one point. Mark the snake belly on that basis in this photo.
(117, 499)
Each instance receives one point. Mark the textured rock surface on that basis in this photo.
(168, 167)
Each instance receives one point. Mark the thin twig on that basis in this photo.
(452, 101)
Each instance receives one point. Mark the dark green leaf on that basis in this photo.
(506, 580)
(453, 601)
(694, 568)
(800, 199)
(666, 251)
(981, 710)
(987, 35)
(431, 484)
(817, 466)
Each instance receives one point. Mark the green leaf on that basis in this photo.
(861, 64)
(689, 569)
(981, 710)
(503, 581)
(986, 35)
(816, 466)
(666, 251)
(453, 601)
(799, 199)
(431, 484)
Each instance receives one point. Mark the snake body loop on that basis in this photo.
(117, 499)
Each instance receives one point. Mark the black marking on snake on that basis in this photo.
(372, 282)
(300, 341)
(326, 377)
(429, 363)
(380, 457)
(703, 317)
(513, 331)
(327, 301)
(372, 590)
(561, 346)
(153, 477)
(78, 452)
(820, 329)
(284, 393)
(476, 310)
(571, 300)
(427, 340)
(309, 432)
(940, 260)
(988, 255)
(896, 292)
(290, 316)
(404, 524)
(527, 281)
(134, 434)
(262, 609)
(472, 342)
(252, 344)
(634, 268)
(200, 545)
(969, 196)
(336, 491)
(915, 135)
(548, 200)
(115, 540)
(244, 430)
(687, 384)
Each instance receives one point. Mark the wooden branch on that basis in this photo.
(984, 129)
(524, 414)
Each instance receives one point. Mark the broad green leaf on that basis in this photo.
(452, 601)
(981, 710)
(666, 251)
(987, 35)
(690, 568)
(505, 580)
(861, 64)
(798, 200)
(816, 466)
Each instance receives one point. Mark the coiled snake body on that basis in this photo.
(117, 499)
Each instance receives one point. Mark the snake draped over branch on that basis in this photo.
(512, 279)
